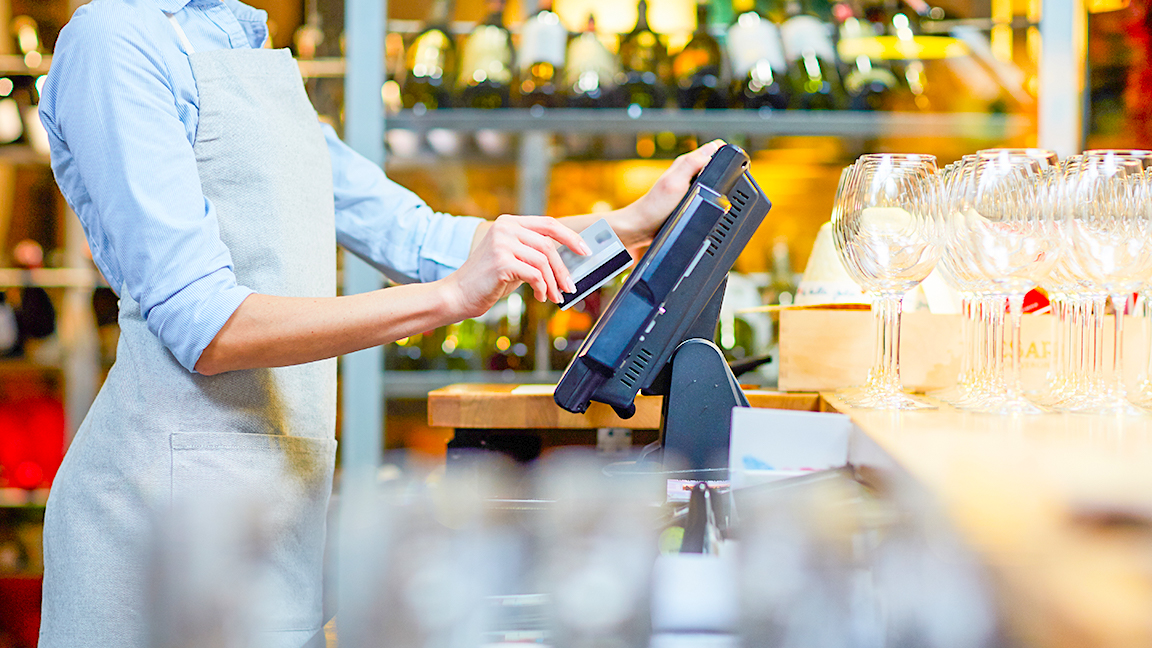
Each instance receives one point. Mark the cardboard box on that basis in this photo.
(825, 350)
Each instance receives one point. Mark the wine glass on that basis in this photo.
(1006, 232)
(887, 228)
(1110, 245)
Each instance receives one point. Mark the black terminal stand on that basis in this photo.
(699, 392)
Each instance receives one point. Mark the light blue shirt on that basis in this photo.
(120, 107)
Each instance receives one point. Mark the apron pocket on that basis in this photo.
(258, 506)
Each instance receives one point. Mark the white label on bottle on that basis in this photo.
(807, 33)
(543, 40)
(751, 40)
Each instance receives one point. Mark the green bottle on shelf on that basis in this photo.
(485, 79)
(868, 80)
(543, 45)
(812, 59)
(644, 64)
(698, 67)
(590, 75)
(756, 55)
(431, 63)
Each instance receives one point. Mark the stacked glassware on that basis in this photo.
(998, 224)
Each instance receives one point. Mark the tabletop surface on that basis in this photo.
(1059, 505)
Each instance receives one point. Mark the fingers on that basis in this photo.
(531, 240)
(539, 261)
(547, 247)
(552, 228)
(530, 275)
(696, 160)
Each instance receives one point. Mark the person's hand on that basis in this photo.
(511, 250)
(649, 212)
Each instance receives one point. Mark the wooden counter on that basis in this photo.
(522, 407)
(1059, 506)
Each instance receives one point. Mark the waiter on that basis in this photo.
(213, 199)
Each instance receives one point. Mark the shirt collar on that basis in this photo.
(172, 6)
(239, 9)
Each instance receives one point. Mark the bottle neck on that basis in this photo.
(642, 17)
(440, 14)
(495, 13)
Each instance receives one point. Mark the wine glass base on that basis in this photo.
(865, 398)
(1110, 406)
(1015, 406)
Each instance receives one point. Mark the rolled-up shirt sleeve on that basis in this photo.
(391, 227)
(123, 159)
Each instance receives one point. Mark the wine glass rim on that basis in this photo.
(898, 156)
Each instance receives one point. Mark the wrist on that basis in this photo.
(448, 299)
(628, 223)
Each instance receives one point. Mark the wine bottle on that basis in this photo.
(811, 60)
(590, 78)
(543, 44)
(486, 63)
(697, 67)
(905, 26)
(759, 68)
(431, 63)
(644, 61)
(869, 82)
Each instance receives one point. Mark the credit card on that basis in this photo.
(609, 258)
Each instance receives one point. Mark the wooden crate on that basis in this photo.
(822, 350)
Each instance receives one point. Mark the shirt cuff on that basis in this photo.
(189, 320)
(446, 245)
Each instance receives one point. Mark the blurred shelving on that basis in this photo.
(51, 278)
(22, 154)
(16, 65)
(417, 384)
(841, 123)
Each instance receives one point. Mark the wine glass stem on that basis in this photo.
(1118, 304)
(1016, 310)
(887, 307)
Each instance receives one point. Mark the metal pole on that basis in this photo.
(361, 373)
(1064, 43)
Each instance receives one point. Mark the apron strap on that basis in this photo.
(180, 34)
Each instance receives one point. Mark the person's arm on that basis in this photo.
(274, 331)
(123, 158)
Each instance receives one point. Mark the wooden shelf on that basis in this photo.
(14, 65)
(22, 154)
(51, 278)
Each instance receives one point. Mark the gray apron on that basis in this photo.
(158, 434)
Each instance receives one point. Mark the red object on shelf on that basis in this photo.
(31, 441)
(20, 602)
(1036, 301)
